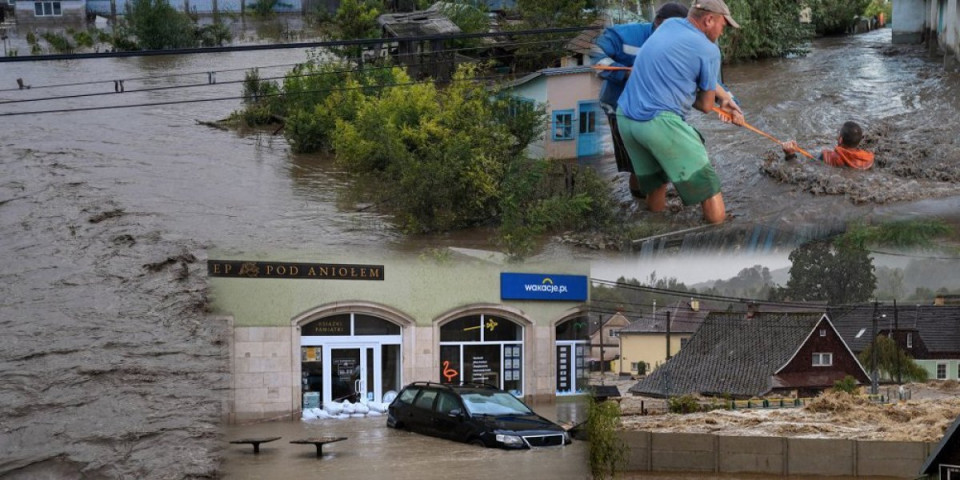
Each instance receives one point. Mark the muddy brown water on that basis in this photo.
(108, 366)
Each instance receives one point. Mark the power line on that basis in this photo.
(288, 65)
(300, 45)
(211, 82)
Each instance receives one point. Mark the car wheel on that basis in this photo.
(478, 442)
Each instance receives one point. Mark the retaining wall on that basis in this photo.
(703, 452)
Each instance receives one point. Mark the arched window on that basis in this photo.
(482, 349)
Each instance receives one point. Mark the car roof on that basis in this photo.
(459, 388)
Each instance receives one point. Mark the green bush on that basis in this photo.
(683, 404)
(157, 25)
(832, 17)
(768, 28)
(847, 385)
(608, 453)
(58, 42)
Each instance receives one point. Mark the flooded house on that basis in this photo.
(306, 331)
(754, 354)
(935, 23)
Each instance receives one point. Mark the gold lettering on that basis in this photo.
(216, 268)
(281, 270)
(294, 270)
(375, 273)
(227, 268)
(342, 272)
(323, 271)
(269, 268)
(363, 273)
(353, 272)
(312, 272)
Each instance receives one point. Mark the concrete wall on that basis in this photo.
(908, 20)
(700, 452)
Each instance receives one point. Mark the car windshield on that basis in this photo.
(494, 403)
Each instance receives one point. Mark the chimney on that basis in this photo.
(694, 305)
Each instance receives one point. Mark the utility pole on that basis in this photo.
(668, 334)
(896, 328)
(874, 380)
(600, 329)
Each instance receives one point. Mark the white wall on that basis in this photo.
(908, 20)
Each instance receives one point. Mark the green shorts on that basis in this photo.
(667, 149)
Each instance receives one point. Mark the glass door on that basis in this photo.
(353, 374)
(570, 368)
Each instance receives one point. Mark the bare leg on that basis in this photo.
(657, 199)
(713, 210)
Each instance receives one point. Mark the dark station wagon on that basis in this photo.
(473, 413)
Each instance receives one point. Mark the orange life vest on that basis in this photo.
(848, 157)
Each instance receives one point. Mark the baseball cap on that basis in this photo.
(671, 10)
(719, 7)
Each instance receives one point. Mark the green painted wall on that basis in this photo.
(931, 367)
(422, 287)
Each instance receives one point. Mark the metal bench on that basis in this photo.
(319, 442)
(255, 442)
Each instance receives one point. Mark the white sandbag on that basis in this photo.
(348, 407)
(343, 416)
(333, 408)
(361, 408)
(358, 415)
(374, 413)
(308, 415)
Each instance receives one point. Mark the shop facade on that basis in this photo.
(303, 335)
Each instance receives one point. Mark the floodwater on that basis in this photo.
(109, 367)
(374, 451)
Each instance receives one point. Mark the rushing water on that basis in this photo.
(108, 367)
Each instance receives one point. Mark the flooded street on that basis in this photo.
(108, 365)
(374, 451)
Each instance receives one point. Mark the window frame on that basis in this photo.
(822, 359)
(942, 366)
(48, 8)
(570, 132)
(909, 340)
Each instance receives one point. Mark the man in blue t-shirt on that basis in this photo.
(677, 68)
(617, 46)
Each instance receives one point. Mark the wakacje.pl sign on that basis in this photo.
(538, 286)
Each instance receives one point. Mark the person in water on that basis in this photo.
(847, 153)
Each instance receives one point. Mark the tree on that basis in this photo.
(838, 274)
(356, 19)
(890, 358)
(768, 28)
(832, 17)
(157, 25)
(543, 51)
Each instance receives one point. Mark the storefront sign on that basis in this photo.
(320, 271)
(537, 286)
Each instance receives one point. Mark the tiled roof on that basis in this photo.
(682, 320)
(938, 326)
(731, 354)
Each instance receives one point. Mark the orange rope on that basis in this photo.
(723, 115)
(726, 116)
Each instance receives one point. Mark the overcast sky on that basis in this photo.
(687, 268)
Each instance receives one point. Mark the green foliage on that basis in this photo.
(318, 95)
(157, 25)
(260, 97)
(901, 234)
(832, 17)
(642, 367)
(36, 49)
(357, 19)
(31, 38)
(84, 38)
(470, 18)
(891, 359)
(545, 50)
(838, 274)
(768, 28)
(214, 34)
(880, 6)
(683, 404)
(58, 42)
(608, 453)
(847, 384)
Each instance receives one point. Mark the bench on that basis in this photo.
(255, 442)
(319, 442)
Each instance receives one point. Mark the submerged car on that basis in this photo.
(473, 413)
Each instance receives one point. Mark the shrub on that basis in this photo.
(847, 385)
(683, 404)
(608, 453)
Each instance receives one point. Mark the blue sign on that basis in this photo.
(538, 286)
